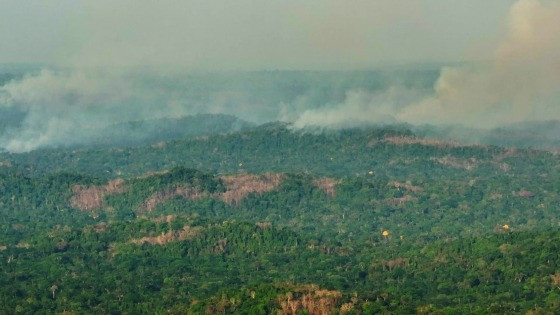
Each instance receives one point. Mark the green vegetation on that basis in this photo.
(183, 228)
(276, 148)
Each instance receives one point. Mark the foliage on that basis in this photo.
(470, 229)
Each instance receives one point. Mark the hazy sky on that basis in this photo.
(513, 76)
(244, 34)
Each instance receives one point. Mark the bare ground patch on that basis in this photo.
(409, 140)
(467, 164)
(310, 299)
(328, 185)
(187, 232)
(507, 153)
(161, 196)
(401, 200)
(240, 185)
(525, 193)
(91, 198)
(237, 187)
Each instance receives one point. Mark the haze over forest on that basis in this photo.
(94, 64)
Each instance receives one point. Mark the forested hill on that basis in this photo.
(392, 151)
(272, 220)
(136, 133)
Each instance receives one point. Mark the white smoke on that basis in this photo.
(360, 107)
(522, 82)
(61, 105)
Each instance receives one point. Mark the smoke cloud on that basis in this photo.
(61, 106)
(519, 82)
(522, 82)
(66, 107)
(360, 107)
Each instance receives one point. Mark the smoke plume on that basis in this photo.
(59, 106)
(522, 82)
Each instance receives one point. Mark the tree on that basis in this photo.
(53, 289)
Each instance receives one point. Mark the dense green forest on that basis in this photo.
(273, 220)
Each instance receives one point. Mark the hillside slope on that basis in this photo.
(270, 220)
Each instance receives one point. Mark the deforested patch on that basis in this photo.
(161, 196)
(448, 160)
(264, 225)
(525, 193)
(401, 200)
(397, 262)
(240, 186)
(187, 232)
(100, 227)
(310, 299)
(91, 198)
(328, 185)
(495, 196)
(507, 153)
(23, 245)
(410, 140)
(159, 145)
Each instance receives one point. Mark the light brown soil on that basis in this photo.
(187, 232)
(310, 299)
(161, 196)
(91, 198)
(408, 140)
(240, 185)
(327, 184)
